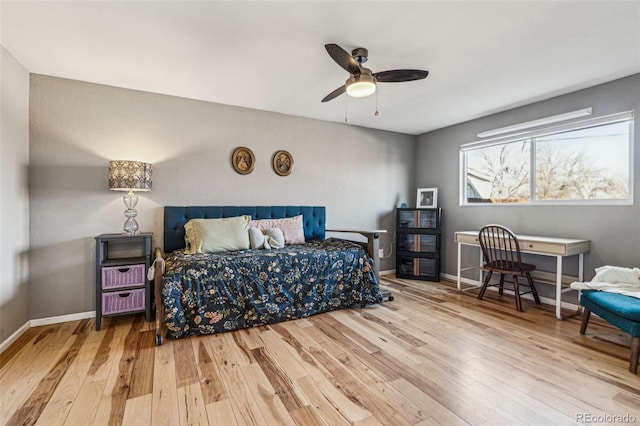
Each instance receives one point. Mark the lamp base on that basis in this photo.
(131, 225)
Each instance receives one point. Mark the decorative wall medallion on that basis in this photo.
(243, 160)
(282, 163)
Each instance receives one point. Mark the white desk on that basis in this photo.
(544, 246)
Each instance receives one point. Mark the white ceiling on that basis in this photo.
(483, 56)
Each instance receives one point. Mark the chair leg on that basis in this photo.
(501, 289)
(635, 354)
(585, 320)
(516, 288)
(533, 289)
(484, 285)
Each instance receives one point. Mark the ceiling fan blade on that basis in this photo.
(394, 76)
(339, 91)
(342, 58)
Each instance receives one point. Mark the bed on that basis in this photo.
(205, 293)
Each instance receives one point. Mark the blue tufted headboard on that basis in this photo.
(313, 219)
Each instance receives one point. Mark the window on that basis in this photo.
(589, 162)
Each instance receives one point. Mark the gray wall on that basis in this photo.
(14, 195)
(614, 231)
(359, 174)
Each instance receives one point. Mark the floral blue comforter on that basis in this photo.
(213, 293)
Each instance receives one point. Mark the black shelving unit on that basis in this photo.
(418, 240)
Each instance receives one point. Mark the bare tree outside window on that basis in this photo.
(500, 173)
(585, 164)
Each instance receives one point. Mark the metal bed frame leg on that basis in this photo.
(158, 264)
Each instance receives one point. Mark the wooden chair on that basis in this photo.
(501, 252)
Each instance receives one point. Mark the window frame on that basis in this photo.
(627, 116)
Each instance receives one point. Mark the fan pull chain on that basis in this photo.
(376, 113)
(345, 109)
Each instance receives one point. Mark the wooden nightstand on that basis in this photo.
(122, 287)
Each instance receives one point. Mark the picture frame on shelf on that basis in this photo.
(427, 198)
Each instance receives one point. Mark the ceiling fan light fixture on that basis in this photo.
(362, 82)
(361, 85)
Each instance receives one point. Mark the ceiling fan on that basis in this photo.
(362, 82)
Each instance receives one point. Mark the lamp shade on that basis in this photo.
(130, 176)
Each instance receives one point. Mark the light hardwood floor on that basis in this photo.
(432, 356)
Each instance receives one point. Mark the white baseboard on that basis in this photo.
(44, 321)
(19, 332)
(62, 318)
(388, 272)
(545, 300)
(464, 280)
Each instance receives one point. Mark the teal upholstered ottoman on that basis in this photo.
(618, 309)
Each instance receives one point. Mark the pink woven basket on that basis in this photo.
(123, 276)
(118, 302)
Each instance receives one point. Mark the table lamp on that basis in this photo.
(130, 176)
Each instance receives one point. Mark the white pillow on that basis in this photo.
(275, 238)
(216, 235)
(256, 238)
(272, 239)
